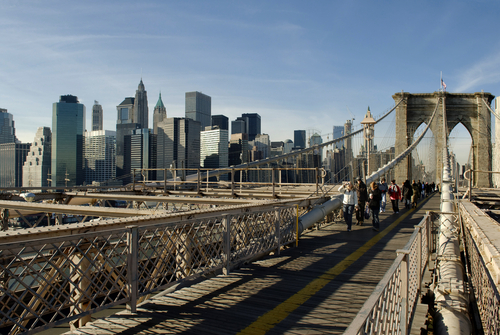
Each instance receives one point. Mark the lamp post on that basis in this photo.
(368, 132)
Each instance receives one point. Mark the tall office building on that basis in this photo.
(338, 132)
(141, 153)
(178, 144)
(159, 114)
(299, 139)
(7, 130)
(263, 144)
(252, 121)
(12, 158)
(199, 108)
(68, 128)
(36, 168)
(214, 148)
(125, 125)
(141, 111)
(220, 121)
(238, 149)
(97, 116)
(100, 157)
(239, 126)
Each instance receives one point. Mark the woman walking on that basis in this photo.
(395, 195)
(416, 194)
(374, 204)
(407, 193)
(350, 200)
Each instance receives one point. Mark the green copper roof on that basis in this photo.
(160, 104)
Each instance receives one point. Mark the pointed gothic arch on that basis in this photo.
(466, 108)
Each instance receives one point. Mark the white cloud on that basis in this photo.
(485, 72)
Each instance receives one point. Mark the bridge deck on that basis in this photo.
(316, 288)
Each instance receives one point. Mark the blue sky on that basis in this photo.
(299, 64)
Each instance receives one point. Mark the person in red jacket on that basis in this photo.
(395, 195)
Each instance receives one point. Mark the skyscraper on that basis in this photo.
(178, 141)
(338, 132)
(100, 156)
(239, 126)
(214, 148)
(199, 108)
(97, 116)
(7, 130)
(36, 168)
(141, 110)
(252, 125)
(299, 139)
(159, 113)
(68, 127)
(141, 153)
(124, 126)
(12, 158)
(220, 121)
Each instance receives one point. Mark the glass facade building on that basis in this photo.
(214, 148)
(299, 139)
(12, 158)
(7, 130)
(220, 121)
(100, 156)
(199, 108)
(252, 125)
(68, 129)
(97, 116)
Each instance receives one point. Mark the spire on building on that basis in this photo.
(159, 114)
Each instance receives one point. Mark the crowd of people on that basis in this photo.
(368, 202)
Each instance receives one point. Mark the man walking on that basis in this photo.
(362, 198)
(395, 195)
(350, 200)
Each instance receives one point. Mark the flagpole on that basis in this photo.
(441, 81)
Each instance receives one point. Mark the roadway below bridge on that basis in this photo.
(315, 288)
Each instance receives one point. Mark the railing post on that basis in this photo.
(4, 215)
(317, 180)
(232, 182)
(132, 260)
(133, 180)
(273, 182)
(277, 233)
(226, 222)
(403, 318)
(198, 185)
(419, 257)
(165, 181)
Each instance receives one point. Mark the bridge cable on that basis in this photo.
(375, 175)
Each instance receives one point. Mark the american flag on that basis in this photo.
(443, 84)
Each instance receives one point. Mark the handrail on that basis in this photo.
(390, 308)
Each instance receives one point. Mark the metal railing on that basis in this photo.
(483, 265)
(390, 308)
(46, 282)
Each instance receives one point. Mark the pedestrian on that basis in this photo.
(362, 198)
(407, 193)
(416, 194)
(395, 195)
(374, 204)
(383, 189)
(349, 202)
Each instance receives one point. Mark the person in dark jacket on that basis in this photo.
(407, 193)
(416, 194)
(362, 198)
(375, 197)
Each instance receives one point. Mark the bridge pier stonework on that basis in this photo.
(468, 109)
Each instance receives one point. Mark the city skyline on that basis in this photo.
(310, 65)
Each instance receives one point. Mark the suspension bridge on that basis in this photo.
(262, 247)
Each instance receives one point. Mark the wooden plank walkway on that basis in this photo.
(316, 288)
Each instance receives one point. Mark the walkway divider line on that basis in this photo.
(270, 319)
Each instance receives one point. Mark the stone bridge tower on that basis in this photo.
(466, 108)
